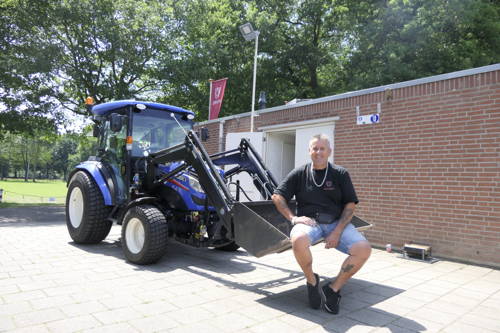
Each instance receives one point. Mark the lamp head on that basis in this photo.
(248, 32)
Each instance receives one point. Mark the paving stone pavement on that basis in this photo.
(50, 284)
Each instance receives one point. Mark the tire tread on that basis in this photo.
(94, 226)
(156, 243)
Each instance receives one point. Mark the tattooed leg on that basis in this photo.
(359, 253)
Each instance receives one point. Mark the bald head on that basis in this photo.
(320, 150)
(320, 137)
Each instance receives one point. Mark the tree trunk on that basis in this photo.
(34, 171)
(35, 154)
(26, 170)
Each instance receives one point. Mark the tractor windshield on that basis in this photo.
(153, 130)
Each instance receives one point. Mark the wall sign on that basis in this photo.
(368, 119)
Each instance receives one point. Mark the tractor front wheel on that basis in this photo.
(85, 211)
(144, 235)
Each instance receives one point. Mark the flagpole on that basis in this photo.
(210, 97)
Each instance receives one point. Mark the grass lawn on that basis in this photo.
(39, 192)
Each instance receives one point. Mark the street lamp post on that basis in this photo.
(250, 34)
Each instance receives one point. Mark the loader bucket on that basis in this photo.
(259, 228)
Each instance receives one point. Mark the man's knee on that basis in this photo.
(300, 241)
(361, 249)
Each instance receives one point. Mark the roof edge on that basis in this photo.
(105, 108)
(404, 84)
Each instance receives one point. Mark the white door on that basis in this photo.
(233, 141)
(280, 153)
(288, 160)
(274, 150)
(302, 137)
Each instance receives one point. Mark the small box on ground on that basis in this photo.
(418, 252)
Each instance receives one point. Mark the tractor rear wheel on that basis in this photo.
(144, 235)
(85, 211)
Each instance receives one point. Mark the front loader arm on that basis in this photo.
(247, 159)
(193, 154)
(248, 229)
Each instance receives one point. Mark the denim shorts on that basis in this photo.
(349, 237)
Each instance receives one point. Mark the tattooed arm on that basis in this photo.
(282, 206)
(346, 216)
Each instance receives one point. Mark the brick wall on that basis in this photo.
(429, 172)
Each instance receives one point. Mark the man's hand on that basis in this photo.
(332, 240)
(304, 220)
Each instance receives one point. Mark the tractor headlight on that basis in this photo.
(194, 183)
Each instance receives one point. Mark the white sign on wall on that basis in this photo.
(368, 119)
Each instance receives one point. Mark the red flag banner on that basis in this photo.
(216, 95)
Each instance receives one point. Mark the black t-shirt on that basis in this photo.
(330, 198)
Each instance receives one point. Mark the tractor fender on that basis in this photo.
(92, 168)
(140, 201)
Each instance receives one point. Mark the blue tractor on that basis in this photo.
(152, 176)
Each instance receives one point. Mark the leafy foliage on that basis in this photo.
(57, 52)
(54, 53)
(402, 40)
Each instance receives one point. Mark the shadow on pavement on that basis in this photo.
(357, 306)
(355, 310)
(359, 297)
(32, 216)
(178, 256)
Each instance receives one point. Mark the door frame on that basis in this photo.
(298, 125)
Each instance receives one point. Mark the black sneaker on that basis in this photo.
(331, 299)
(314, 294)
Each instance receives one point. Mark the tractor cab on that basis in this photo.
(128, 132)
(154, 130)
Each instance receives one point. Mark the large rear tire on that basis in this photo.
(85, 211)
(144, 235)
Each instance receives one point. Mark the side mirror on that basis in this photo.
(116, 122)
(204, 134)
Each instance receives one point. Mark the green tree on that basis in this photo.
(25, 64)
(86, 147)
(305, 46)
(64, 147)
(9, 152)
(53, 54)
(301, 51)
(400, 40)
(209, 46)
(27, 152)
